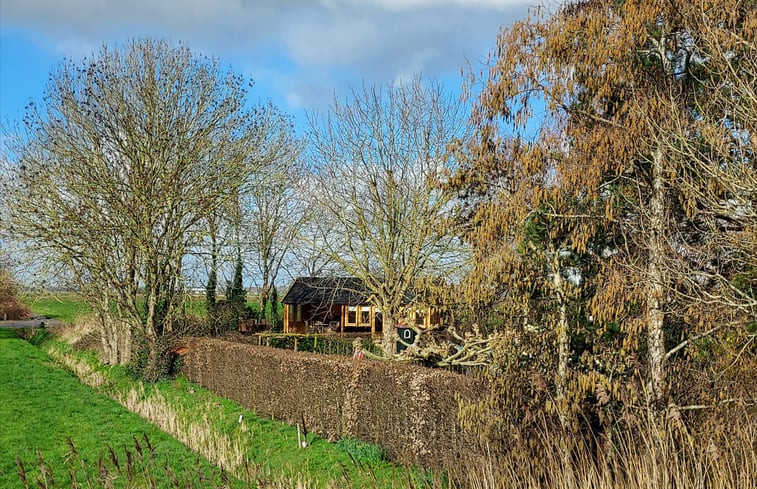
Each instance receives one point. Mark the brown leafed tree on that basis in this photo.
(115, 172)
(11, 306)
(642, 178)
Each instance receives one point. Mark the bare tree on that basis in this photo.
(257, 224)
(271, 208)
(115, 174)
(377, 163)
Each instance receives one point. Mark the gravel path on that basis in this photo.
(34, 322)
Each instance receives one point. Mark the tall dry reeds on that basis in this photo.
(720, 454)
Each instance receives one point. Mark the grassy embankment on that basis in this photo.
(43, 407)
(232, 437)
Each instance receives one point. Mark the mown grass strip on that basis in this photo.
(42, 406)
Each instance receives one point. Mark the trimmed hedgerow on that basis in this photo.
(410, 411)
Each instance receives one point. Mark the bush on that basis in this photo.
(227, 316)
(35, 336)
(10, 305)
(360, 452)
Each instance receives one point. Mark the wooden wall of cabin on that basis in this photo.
(297, 317)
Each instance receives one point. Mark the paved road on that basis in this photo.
(35, 322)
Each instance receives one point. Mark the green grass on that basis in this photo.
(43, 405)
(66, 307)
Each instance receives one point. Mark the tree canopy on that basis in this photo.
(378, 161)
(114, 173)
(625, 230)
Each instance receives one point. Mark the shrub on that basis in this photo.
(360, 452)
(35, 336)
(10, 306)
(328, 345)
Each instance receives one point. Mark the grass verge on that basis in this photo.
(62, 431)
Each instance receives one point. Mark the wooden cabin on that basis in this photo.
(339, 305)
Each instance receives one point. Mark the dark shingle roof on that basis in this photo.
(327, 290)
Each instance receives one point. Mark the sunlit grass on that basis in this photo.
(66, 307)
(44, 406)
(69, 306)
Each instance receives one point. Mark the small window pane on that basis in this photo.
(352, 315)
(420, 317)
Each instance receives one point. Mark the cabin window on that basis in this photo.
(435, 318)
(295, 312)
(420, 317)
(351, 315)
(358, 316)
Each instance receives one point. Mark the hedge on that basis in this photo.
(410, 411)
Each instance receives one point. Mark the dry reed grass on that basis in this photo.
(83, 333)
(645, 456)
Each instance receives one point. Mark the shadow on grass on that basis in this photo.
(8, 334)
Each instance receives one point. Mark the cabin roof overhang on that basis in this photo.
(327, 290)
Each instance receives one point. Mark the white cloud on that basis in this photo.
(315, 46)
(423, 4)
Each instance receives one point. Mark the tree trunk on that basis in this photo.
(389, 336)
(115, 335)
(108, 342)
(125, 343)
(655, 294)
(263, 304)
(563, 346)
(152, 368)
(211, 287)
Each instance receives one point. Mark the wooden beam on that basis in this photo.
(373, 321)
(286, 318)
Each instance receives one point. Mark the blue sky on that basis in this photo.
(300, 53)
